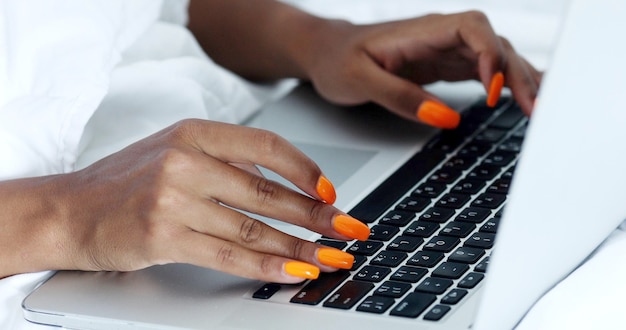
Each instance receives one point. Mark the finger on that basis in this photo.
(250, 168)
(523, 82)
(259, 195)
(406, 99)
(255, 235)
(477, 33)
(499, 64)
(210, 252)
(238, 144)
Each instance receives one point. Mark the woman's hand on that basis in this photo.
(387, 64)
(174, 197)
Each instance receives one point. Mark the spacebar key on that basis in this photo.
(315, 291)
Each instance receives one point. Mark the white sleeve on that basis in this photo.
(54, 71)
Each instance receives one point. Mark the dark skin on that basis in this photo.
(169, 189)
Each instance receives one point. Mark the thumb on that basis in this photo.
(407, 99)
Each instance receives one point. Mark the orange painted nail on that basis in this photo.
(351, 227)
(326, 190)
(302, 270)
(495, 88)
(335, 258)
(438, 115)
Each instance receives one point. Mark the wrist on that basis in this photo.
(34, 236)
(316, 40)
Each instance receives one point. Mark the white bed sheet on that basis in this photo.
(153, 48)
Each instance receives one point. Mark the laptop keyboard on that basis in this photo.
(433, 224)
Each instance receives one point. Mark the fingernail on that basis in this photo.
(495, 88)
(335, 258)
(351, 227)
(302, 270)
(326, 190)
(438, 115)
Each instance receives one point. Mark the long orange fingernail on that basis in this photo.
(438, 115)
(335, 258)
(326, 190)
(351, 227)
(495, 88)
(302, 270)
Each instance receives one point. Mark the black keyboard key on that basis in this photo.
(521, 132)
(315, 291)
(340, 245)
(389, 258)
(429, 189)
(421, 229)
(437, 312)
(437, 214)
(460, 163)
(500, 186)
(413, 204)
(490, 226)
(445, 175)
(468, 186)
(482, 265)
(512, 144)
(359, 260)
(500, 158)
(490, 136)
(392, 289)
(473, 215)
(366, 248)
(348, 295)
(446, 141)
(458, 229)
(471, 280)
(413, 304)
(425, 259)
(397, 218)
(266, 291)
(375, 304)
(383, 232)
(508, 174)
(481, 240)
(372, 273)
(489, 200)
(453, 201)
(454, 296)
(466, 255)
(409, 274)
(451, 270)
(442, 243)
(508, 118)
(405, 243)
(473, 150)
(484, 172)
(434, 285)
(476, 115)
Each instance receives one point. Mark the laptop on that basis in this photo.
(469, 227)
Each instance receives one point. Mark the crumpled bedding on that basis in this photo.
(70, 96)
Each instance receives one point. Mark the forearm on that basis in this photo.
(30, 239)
(258, 39)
